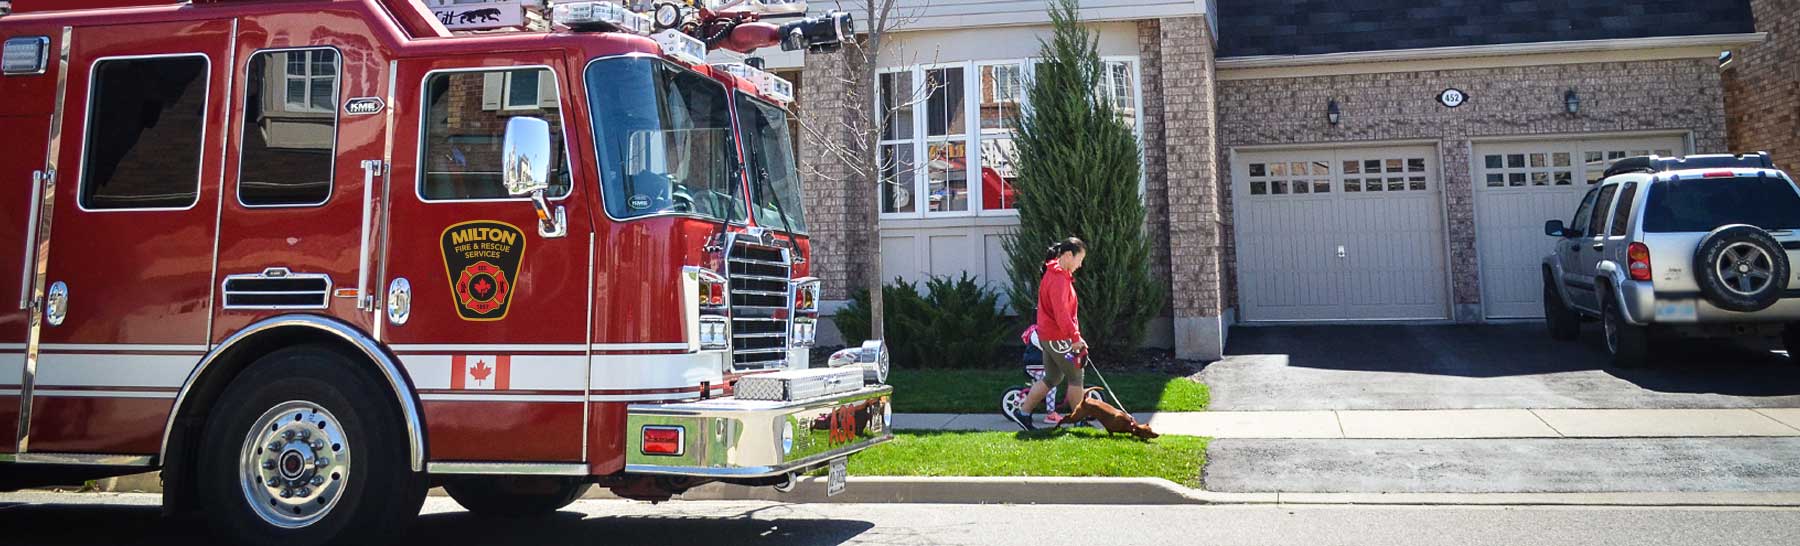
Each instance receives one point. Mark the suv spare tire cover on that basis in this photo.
(1751, 250)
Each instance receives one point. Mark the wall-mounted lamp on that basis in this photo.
(1572, 101)
(1725, 58)
(1331, 112)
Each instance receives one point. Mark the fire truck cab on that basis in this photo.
(310, 258)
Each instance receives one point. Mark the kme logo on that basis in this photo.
(363, 106)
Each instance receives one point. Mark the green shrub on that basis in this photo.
(955, 324)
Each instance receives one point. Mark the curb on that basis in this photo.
(1131, 491)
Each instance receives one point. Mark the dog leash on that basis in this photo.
(1109, 390)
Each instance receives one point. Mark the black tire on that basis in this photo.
(1564, 323)
(1741, 268)
(371, 494)
(1629, 345)
(515, 496)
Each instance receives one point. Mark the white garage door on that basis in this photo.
(1518, 186)
(1352, 234)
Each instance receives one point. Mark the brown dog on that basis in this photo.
(1110, 417)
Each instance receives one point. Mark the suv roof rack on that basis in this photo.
(1657, 164)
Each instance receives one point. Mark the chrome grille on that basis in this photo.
(759, 276)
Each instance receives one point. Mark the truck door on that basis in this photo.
(130, 247)
(303, 177)
(495, 332)
(23, 165)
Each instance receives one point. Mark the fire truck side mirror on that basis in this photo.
(525, 170)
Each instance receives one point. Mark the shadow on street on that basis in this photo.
(98, 524)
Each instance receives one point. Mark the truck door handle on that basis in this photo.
(1599, 246)
(1340, 251)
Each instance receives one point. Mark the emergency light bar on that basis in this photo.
(770, 85)
(760, 7)
(678, 44)
(582, 15)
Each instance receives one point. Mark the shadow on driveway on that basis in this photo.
(1485, 366)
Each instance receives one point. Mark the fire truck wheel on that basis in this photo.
(302, 448)
(514, 496)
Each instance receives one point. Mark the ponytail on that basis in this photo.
(1058, 248)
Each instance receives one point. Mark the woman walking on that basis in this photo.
(1058, 330)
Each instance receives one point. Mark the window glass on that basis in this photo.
(944, 102)
(286, 157)
(1117, 86)
(1597, 225)
(896, 105)
(146, 121)
(1622, 215)
(897, 175)
(775, 182)
(1002, 92)
(948, 176)
(465, 124)
(1001, 89)
(664, 138)
(1585, 212)
(1703, 204)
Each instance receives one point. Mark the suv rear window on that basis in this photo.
(1704, 204)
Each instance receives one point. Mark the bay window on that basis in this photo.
(937, 120)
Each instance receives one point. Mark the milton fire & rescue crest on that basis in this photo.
(482, 260)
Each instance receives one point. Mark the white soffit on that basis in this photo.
(1482, 56)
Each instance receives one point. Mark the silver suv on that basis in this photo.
(1662, 248)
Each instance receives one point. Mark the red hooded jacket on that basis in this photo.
(1057, 306)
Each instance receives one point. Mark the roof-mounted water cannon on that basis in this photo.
(824, 33)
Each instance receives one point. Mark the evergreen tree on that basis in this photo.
(1078, 173)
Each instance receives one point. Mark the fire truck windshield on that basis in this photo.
(664, 141)
(774, 182)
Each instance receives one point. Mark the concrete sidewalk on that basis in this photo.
(1431, 424)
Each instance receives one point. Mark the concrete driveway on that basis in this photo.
(1509, 366)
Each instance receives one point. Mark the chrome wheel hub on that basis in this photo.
(294, 464)
(1745, 268)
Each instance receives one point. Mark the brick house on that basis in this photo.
(1305, 160)
(1762, 86)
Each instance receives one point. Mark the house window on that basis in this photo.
(937, 120)
(311, 79)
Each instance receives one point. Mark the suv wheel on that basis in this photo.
(1741, 268)
(1564, 323)
(1628, 344)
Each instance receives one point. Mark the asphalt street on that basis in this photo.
(1407, 367)
(90, 519)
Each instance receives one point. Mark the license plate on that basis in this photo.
(835, 483)
(1676, 311)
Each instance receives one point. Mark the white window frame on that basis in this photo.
(306, 104)
(973, 133)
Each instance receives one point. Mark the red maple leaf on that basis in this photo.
(481, 371)
(482, 286)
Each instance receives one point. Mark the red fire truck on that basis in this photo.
(309, 258)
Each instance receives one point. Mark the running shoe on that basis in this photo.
(1021, 419)
(1052, 418)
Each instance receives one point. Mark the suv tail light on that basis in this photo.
(1638, 257)
(1719, 174)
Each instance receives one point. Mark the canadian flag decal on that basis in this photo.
(481, 372)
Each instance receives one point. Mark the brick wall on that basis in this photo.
(1195, 216)
(839, 203)
(1762, 86)
(1156, 173)
(1615, 97)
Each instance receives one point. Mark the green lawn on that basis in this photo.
(1063, 452)
(978, 391)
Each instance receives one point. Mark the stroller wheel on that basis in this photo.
(1011, 399)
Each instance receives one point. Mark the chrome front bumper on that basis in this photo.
(730, 438)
